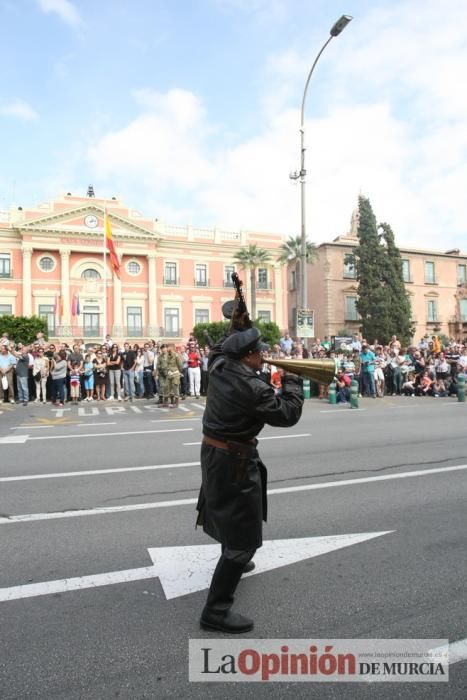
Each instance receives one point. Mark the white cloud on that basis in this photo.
(65, 9)
(18, 109)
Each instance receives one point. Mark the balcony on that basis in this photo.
(228, 284)
(201, 283)
(264, 286)
(6, 274)
(170, 332)
(171, 281)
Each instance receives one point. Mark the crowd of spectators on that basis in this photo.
(427, 368)
(44, 371)
(56, 372)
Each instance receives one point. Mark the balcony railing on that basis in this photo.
(201, 283)
(228, 283)
(170, 332)
(6, 275)
(264, 285)
(171, 282)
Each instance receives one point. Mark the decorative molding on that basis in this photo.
(171, 297)
(206, 299)
(8, 292)
(134, 296)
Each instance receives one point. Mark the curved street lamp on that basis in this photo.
(336, 29)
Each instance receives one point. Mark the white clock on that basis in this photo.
(91, 221)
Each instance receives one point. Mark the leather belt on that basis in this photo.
(220, 444)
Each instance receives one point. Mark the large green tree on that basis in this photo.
(369, 257)
(383, 302)
(251, 257)
(399, 300)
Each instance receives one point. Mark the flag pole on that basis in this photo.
(104, 315)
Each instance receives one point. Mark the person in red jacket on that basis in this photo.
(194, 369)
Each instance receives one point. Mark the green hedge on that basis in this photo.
(270, 332)
(23, 329)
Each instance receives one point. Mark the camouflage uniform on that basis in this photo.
(169, 368)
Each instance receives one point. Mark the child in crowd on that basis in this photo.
(74, 382)
(408, 386)
(425, 385)
(88, 370)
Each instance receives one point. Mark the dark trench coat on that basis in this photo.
(232, 502)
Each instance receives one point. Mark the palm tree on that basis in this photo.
(292, 249)
(251, 258)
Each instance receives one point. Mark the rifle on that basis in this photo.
(240, 320)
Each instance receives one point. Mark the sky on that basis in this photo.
(189, 111)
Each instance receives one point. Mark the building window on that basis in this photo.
(91, 317)
(201, 277)
(463, 310)
(350, 270)
(201, 316)
(6, 309)
(429, 273)
(134, 321)
(293, 280)
(46, 264)
(170, 274)
(351, 313)
(133, 267)
(461, 274)
(90, 274)
(264, 316)
(47, 312)
(406, 271)
(228, 272)
(5, 265)
(432, 311)
(171, 322)
(262, 278)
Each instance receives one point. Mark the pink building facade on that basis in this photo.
(171, 277)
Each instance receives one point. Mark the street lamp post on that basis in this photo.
(336, 29)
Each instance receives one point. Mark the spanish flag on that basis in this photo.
(111, 248)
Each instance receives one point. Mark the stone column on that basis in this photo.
(152, 296)
(27, 295)
(278, 298)
(65, 319)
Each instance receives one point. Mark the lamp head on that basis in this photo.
(340, 25)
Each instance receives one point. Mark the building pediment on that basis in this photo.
(86, 220)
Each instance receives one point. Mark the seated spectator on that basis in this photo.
(408, 386)
(438, 388)
(425, 384)
(342, 386)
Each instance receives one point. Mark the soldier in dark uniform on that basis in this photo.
(232, 502)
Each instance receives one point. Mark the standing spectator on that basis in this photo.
(128, 365)
(59, 369)
(7, 366)
(88, 373)
(40, 340)
(395, 363)
(380, 364)
(184, 376)
(286, 344)
(194, 370)
(139, 373)
(356, 344)
(24, 363)
(114, 362)
(74, 357)
(149, 386)
(75, 375)
(5, 340)
(40, 373)
(367, 358)
(204, 370)
(100, 374)
(395, 344)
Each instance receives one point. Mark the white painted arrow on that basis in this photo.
(183, 570)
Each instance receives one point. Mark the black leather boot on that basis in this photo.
(249, 567)
(217, 614)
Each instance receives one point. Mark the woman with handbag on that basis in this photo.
(40, 372)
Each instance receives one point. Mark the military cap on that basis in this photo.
(227, 309)
(243, 343)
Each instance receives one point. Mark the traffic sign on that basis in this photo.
(305, 323)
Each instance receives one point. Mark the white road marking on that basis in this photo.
(267, 437)
(457, 651)
(197, 405)
(62, 425)
(30, 517)
(93, 472)
(183, 570)
(343, 410)
(183, 408)
(19, 439)
(33, 427)
(173, 420)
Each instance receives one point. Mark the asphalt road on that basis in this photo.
(128, 641)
